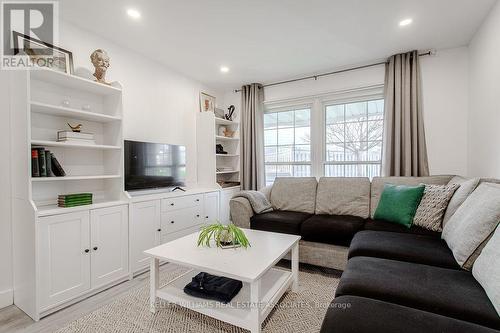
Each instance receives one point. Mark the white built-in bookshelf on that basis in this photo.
(223, 169)
(46, 101)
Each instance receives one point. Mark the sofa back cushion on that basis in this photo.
(473, 223)
(297, 194)
(378, 185)
(467, 186)
(343, 196)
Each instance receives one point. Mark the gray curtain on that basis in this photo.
(252, 137)
(405, 151)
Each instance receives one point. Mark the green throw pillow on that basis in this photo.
(399, 203)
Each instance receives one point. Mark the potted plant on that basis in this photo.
(224, 236)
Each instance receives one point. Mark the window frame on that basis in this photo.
(317, 103)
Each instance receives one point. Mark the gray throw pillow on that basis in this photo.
(431, 209)
(473, 223)
(486, 270)
(467, 186)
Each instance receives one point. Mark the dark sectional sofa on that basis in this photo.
(395, 279)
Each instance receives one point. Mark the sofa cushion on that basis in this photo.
(297, 194)
(381, 225)
(331, 229)
(403, 247)
(448, 292)
(486, 269)
(353, 314)
(377, 185)
(279, 221)
(399, 203)
(431, 210)
(473, 222)
(343, 196)
(467, 186)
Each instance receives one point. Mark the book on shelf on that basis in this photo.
(48, 163)
(35, 171)
(42, 163)
(76, 199)
(57, 169)
(61, 135)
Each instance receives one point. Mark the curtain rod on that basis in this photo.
(315, 77)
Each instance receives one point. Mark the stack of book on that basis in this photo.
(75, 137)
(73, 200)
(45, 164)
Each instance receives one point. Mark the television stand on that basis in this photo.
(178, 188)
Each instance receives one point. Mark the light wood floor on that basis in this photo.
(13, 320)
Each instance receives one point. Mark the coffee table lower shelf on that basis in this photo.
(241, 311)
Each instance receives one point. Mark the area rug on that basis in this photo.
(296, 312)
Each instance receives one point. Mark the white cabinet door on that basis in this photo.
(211, 207)
(109, 244)
(145, 231)
(226, 195)
(64, 257)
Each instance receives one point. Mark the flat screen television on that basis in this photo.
(154, 165)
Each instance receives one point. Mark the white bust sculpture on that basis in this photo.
(100, 60)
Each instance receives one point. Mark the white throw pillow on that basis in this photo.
(486, 269)
(473, 222)
(467, 186)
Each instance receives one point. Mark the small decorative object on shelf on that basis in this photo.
(222, 130)
(230, 113)
(219, 149)
(219, 113)
(100, 60)
(73, 200)
(76, 128)
(224, 236)
(207, 103)
(228, 133)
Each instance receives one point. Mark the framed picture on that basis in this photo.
(43, 54)
(207, 103)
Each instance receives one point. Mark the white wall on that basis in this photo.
(159, 104)
(445, 97)
(484, 103)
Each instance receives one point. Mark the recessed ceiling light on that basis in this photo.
(224, 69)
(405, 22)
(133, 13)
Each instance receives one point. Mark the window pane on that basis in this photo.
(375, 151)
(334, 170)
(301, 170)
(270, 174)
(302, 153)
(356, 111)
(356, 170)
(284, 171)
(285, 153)
(334, 133)
(375, 130)
(356, 151)
(270, 137)
(335, 152)
(285, 136)
(303, 117)
(374, 170)
(376, 109)
(302, 135)
(271, 154)
(270, 120)
(285, 119)
(356, 131)
(334, 114)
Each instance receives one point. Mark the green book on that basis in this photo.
(74, 204)
(75, 196)
(74, 201)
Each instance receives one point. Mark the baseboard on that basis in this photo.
(6, 298)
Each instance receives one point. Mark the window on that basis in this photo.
(287, 144)
(353, 139)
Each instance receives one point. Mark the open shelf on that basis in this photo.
(48, 210)
(55, 110)
(227, 155)
(73, 82)
(226, 172)
(46, 143)
(220, 121)
(220, 137)
(68, 178)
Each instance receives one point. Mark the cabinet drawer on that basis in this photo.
(181, 219)
(171, 204)
(178, 234)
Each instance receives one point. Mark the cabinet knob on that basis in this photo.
(172, 204)
(206, 217)
(197, 199)
(87, 250)
(158, 230)
(172, 222)
(95, 248)
(197, 215)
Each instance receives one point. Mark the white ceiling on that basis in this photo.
(270, 40)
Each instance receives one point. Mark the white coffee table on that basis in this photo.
(263, 284)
